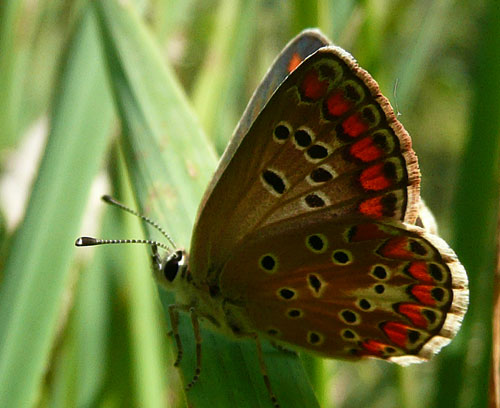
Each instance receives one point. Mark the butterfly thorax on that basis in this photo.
(205, 299)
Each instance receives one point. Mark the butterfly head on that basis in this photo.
(170, 270)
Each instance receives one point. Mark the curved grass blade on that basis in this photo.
(228, 52)
(476, 209)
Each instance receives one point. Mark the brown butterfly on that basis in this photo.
(307, 235)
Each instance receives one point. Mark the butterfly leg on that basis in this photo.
(263, 370)
(173, 311)
(197, 337)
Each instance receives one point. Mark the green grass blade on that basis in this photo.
(63, 375)
(476, 209)
(228, 53)
(170, 163)
(36, 271)
(412, 69)
(146, 342)
(10, 17)
(305, 14)
(91, 322)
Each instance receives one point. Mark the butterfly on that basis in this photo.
(312, 233)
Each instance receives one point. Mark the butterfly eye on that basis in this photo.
(170, 271)
(172, 266)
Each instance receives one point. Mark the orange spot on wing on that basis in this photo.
(397, 333)
(396, 248)
(414, 313)
(337, 104)
(312, 87)
(365, 150)
(378, 207)
(367, 232)
(374, 179)
(423, 294)
(372, 207)
(354, 125)
(373, 347)
(420, 271)
(294, 62)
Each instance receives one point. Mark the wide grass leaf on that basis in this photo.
(37, 268)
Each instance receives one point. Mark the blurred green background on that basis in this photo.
(111, 96)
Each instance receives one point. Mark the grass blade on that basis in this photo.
(37, 268)
(474, 227)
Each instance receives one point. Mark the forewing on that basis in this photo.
(349, 288)
(298, 49)
(327, 142)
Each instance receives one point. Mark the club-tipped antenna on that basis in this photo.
(89, 241)
(110, 200)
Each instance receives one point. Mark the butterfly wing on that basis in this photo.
(299, 48)
(327, 142)
(349, 288)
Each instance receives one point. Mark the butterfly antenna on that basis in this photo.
(89, 241)
(110, 200)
